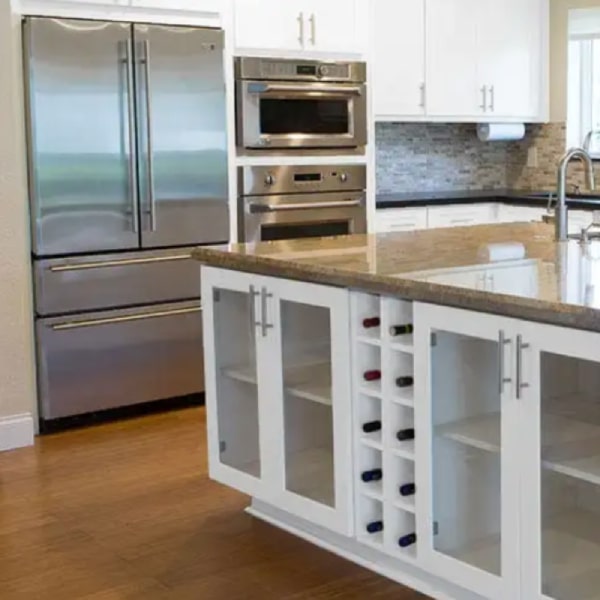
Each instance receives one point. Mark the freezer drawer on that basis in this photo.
(110, 359)
(70, 285)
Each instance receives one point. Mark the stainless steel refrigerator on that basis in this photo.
(127, 172)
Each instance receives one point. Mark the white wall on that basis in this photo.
(17, 380)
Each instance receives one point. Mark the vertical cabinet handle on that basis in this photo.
(252, 295)
(301, 28)
(483, 105)
(422, 89)
(313, 29)
(264, 324)
(502, 378)
(521, 385)
(492, 98)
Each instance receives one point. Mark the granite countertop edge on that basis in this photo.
(528, 309)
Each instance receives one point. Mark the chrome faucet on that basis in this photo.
(562, 226)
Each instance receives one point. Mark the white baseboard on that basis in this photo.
(16, 431)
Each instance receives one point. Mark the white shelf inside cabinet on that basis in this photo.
(374, 540)
(371, 388)
(483, 554)
(372, 341)
(308, 381)
(405, 397)
(372, 440)
(407, 504)
(372, 490)
(481, 432)
(404, 449)
(405, 345)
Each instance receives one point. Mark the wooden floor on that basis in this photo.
(126, 511)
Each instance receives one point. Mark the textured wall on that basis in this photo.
(437, 156)
(17, 387)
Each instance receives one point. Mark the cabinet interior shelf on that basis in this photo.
(372, 341)
(404, 449)
(308, 381)
(407, 504)
(571, 447)
(406, 346)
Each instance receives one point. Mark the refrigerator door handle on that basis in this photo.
(70, 325)
(149, 146)
(133, 188)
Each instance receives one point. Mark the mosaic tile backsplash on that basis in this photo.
(448, 156)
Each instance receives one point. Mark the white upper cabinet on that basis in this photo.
(174, 5)
(451, 50)
(298, 26)
(398, 57)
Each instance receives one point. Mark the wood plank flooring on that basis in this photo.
(125, 511)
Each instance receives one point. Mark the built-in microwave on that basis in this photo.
(294, 104)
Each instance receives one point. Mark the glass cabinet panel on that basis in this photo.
(237, 384)
(307, 397)
(570, 477)
(467, 448)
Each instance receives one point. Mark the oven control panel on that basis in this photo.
(256, 181)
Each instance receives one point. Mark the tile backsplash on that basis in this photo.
(415, 157)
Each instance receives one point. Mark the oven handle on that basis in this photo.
(342, 90)
(265, 208)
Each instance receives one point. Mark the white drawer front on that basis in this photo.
(401, 219)
(461, 215)
(520, 214)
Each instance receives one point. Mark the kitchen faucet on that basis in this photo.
(562, 228)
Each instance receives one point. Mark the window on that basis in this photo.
(584, 79)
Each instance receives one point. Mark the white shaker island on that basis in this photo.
(401, 403)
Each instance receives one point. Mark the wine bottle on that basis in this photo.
(401, 329)
(408, 489)
(373, 375)
(404, 435)
(374, 526)
(371, 426)
(372, 475)
(371, 322)
(404, 382)
(407, 540)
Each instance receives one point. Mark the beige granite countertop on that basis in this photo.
(564, 279)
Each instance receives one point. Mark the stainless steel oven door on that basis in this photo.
(283, 115)
(267, 218)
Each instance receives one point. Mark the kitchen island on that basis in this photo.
(414, 404)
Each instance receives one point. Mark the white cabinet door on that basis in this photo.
(460, 215)
(214, 6)
(468, 461)
(560, 440)
(508, 213)
(451, 49)
(509, 56)
(312, 423)
(579, 219)
(270, 24)
(389, 220)
(332, 26)
(398, 58)
(518, 278)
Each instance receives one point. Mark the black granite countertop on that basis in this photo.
(515, 197)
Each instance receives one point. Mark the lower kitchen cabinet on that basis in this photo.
(278, 393)
(461, 215)
(509, 455)
(401, 219)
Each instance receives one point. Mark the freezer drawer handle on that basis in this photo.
(119, 263)
(263, 208)
(125, 319)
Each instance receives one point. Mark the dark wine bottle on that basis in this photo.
(407, 540)
(404, 382)
(371, 426)
(404, 435)
(401, 329)
(374, 526)
(408, 489)
(372, 475)
(373, 375)
(371, 322)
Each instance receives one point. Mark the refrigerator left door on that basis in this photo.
(81, 144)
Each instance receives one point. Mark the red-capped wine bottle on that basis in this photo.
(371, 427)
(372, 475)
(408, 489)
(406, 329)
(404, 382)
(407, 540)
(374, 526)
(371, 322)
(404, 435)
(373, 375)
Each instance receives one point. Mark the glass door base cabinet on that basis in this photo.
(278, 399)
(469, 530)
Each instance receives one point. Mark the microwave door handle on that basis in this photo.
(266, 88)
(265, 208)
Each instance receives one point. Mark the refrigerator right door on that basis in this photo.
(181, 135)
(80, 119)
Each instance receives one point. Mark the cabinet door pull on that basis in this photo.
(492, 98)
(502, 379)
(483, 105)
(313, 29)
(422, 102)
(252, 307)
(301, 28)
(521, 385)
(264, 324)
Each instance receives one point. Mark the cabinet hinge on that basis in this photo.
(434, 339)
(216, 295)
(436, 528)
(222, 447)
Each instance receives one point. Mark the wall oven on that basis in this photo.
(293, 104)
(287, 202)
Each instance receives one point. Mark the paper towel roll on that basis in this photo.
(498, 252)
(498, 132)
